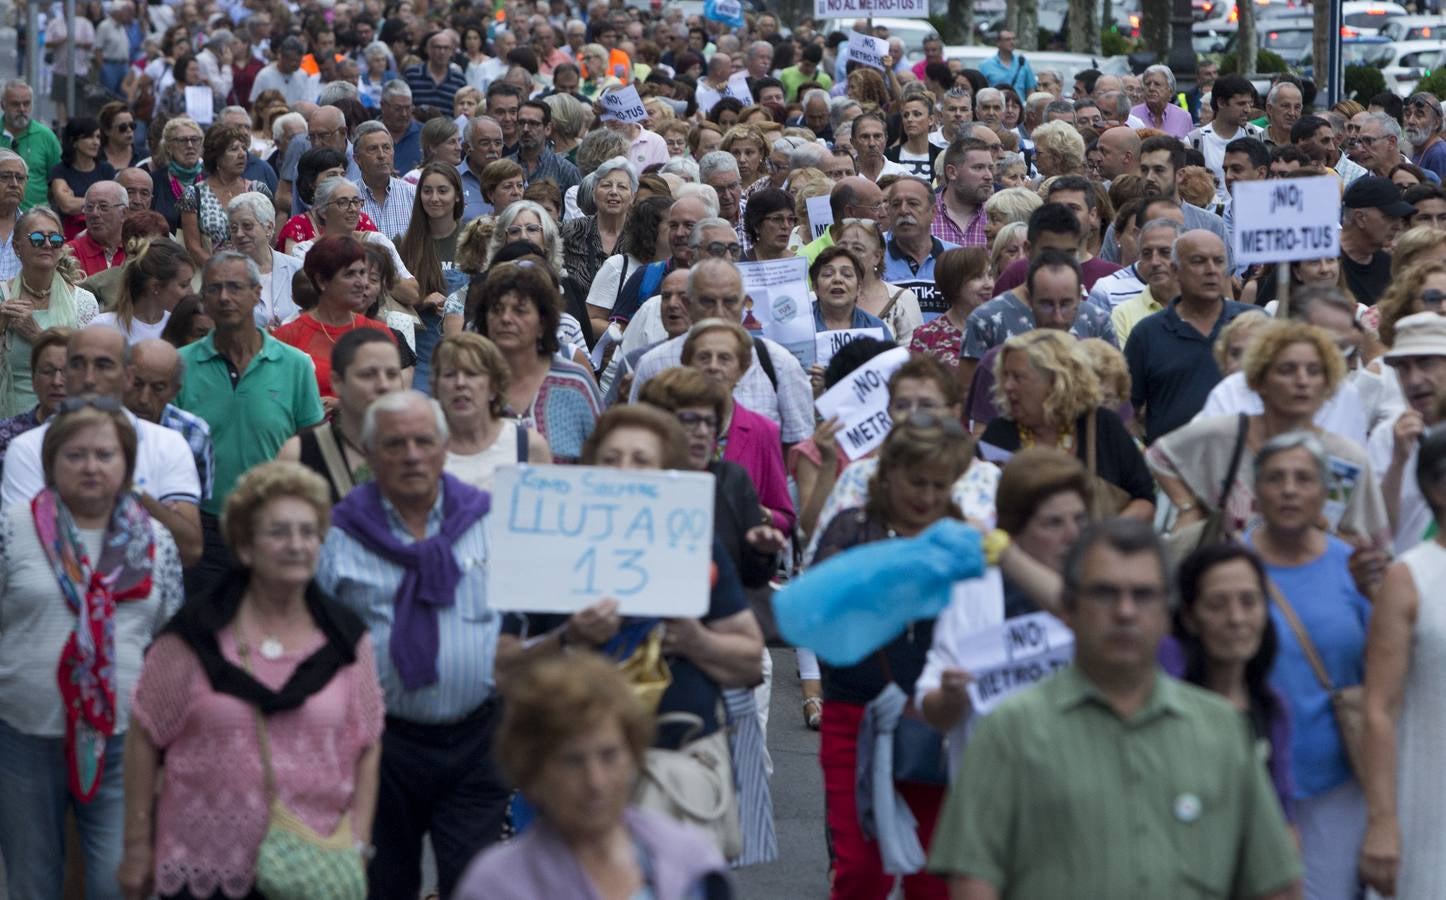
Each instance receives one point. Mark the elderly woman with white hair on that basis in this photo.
(1159, 110)
(337, 204)
(1058, 149)
(252, 220)
(380, 68)
(589, 240)
(520, 221)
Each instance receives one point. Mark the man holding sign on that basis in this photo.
(1153, 785)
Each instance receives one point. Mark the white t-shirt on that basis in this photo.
(1341, 413)
(139, 331)
(892, 168)
(1414, 516)
(165, 468)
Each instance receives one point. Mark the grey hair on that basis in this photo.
(1010, 158)
(1058, 106)
(838, 107)
(12, 156)
(1292, 440)
(278, 126)
(45, 211)
(703, 193)
(1128, 537)
(253, 274)
(1305, 299)
(616, 164)
(114, 186)
(695, 274)
(808, 155)
(1119, 99)
(257, 204)
(369, 127)
(1175, 228)
(681, 166)
(757, 46)
(717, 161)
(1389, 126)
(1275, 90)
(337, 90)
(1038, 73)
(696, 237)
(551, 243)
(327, 189)
(1160, 70)
(813, 94)
(986, 94)
(396, 88)
(395, 402)
(228, 110)
(15, 84)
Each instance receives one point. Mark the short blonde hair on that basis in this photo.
(1233, 329)
(1411, 244)
(744, 133)
(740, 335)
(1014, 204)
(476, 354)
(1062, 138)
(1278, 334)
(269, 481)
(1008, 234)
(1074, 389)
(1109, 365)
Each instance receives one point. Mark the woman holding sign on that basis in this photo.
(912, 489)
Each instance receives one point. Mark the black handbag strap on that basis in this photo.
(1235, 456)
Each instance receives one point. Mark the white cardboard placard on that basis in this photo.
(869, 51)
(1286, 219)
(861, 403)
(895, 9)
(776, 305)
(1006, 658)
(820, 215)
(624, 104)
(827, 343)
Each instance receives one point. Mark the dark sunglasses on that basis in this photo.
(38, 239)
(126, 126)
(1432, 298)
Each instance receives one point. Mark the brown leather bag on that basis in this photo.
(1107, 499)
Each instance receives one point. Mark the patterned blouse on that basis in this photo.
(940, 339)
(201, 199)
(565, 409)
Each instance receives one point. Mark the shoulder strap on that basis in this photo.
(521, 443)
(652, 277)
(1302, 637)
(1091, 451)
(333, 457)
(765, 361)
(622, 280)
(1235, 455)
(263, 742)
(889, 307)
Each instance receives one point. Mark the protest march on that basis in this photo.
(551, 449)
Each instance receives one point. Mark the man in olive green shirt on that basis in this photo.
(1111, 779)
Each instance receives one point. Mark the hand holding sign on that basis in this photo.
(861, 403)
(869, 51)
(623, 105)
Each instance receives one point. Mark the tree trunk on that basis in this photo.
(1155, 26)
(1246, 42)
(1027, 35)
(1011, 16)
(1081, 24)
(962, 13)
(1320, 52)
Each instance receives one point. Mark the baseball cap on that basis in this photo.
(1375, 192)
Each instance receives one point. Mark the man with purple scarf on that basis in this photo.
(408, 554)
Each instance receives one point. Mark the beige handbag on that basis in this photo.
(694, 784)
(1107, 499)
(1347, 703)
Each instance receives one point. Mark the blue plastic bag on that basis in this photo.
(858, 601)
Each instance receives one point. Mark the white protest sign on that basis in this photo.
(624, 105)
(827, 343)
(861, 403)
(201, 103)
(869, 51)
(1286, 219)
(776, 305)
(738, 88)
(820, 215)
(896, 9)
(1009, 657)
(564, 537)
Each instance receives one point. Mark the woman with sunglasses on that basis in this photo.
(176, 167)
(118, 133)
(81, 165)
(918, 464)
(1420, 288)
(338, 209)
(36, 299)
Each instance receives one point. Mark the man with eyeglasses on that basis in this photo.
(1424, 123)
(778, 388)
(13, 178)
(1372, 215)
(1376, 143)
(35, 143)
(99, 247)
(98, 367)
(912, 249)
(254, 391)
(484, 145)
(386, 199)
(855, 197)
(1418, 358)
(326, 128)
(534, 133)
(1112, 739)
(719, 170)
(693, 204)
(435, 83)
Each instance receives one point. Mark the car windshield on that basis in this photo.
(1367, 54)
(1287, 40)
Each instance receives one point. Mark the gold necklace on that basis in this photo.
(1065, 441)
(39, 295)
(322, 325)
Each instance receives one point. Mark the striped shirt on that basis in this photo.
(1111, 290)
(198, 437)
(392, 216)
(466, 631)
(428, 92)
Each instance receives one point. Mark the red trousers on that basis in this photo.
(858, 871)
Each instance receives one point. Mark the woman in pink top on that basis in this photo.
(722, 351)
(267, 640)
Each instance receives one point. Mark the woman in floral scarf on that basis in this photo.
(87, 578)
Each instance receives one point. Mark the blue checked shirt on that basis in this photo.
(391, 217)
(198, 437)
(466, 631)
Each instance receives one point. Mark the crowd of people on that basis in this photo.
(287, 286)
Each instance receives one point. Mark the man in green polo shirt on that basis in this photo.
(35, 143)
(254, 391)
(1111, 779)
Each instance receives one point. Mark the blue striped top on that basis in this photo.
(467, 630)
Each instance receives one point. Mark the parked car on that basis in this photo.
(1410, 61)
(1414, 28)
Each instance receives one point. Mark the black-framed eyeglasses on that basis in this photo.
(38, 239)
(719, 249)
(692, 421)
(347, 203)
(89, 401)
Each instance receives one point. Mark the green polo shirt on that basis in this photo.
(40, 149)
(813, 248)
(1058, 796)
(250, 416)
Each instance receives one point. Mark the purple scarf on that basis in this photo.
(429, 570)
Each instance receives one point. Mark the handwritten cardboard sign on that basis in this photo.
(827, 343)
(624, 105)
(1005, 659)
(869, 51)
(1286, 219)
(563, 537)
(861, 403)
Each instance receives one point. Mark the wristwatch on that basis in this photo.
(366, 851)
